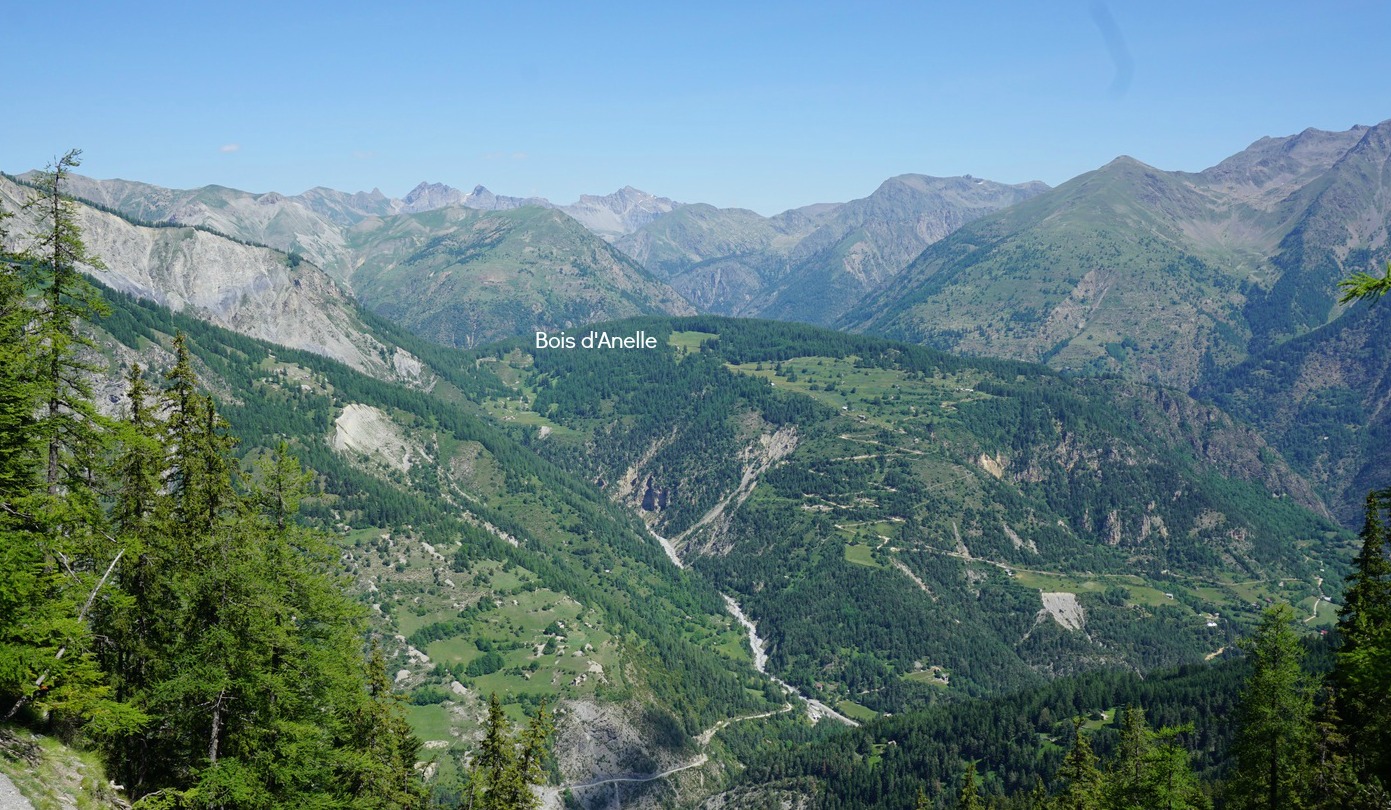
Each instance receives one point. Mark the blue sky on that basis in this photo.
(765, 106)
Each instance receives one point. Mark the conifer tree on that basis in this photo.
(68, 425)
(382, 771)
(19, 394)
(1038, 796)
(1083, 787)
(126, 617)
(1363, 670)
(969, 798)
(21, 563)
(505, 768)
(1275, 721)
(1126, 776)
(535, 748)
(236, 658)
(140, 461)
(57, 557)
(1169, 780)
(1332, 782)
(1367, 599)
(495, 764)
(1365, 286)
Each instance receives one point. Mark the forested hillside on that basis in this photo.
(1321, 399)
(475, 565)
(738, 562)
(905, 525)
(157, 601)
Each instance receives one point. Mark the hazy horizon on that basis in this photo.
(768, 108)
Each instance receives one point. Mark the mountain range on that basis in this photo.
(1164, 276)
(809, 264)
(1096, 425)
(1176, 278)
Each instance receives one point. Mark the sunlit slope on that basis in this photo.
(1162, 276)
(901, 521)
(487, 568)
(461, 277)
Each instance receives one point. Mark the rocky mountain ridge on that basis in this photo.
(1157, 275)
(811, 264)
(254, 290)
(483, 267)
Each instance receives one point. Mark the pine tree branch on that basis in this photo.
(81, 616)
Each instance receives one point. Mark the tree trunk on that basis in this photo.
(217, 727)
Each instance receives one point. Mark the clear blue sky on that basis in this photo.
(760, 105)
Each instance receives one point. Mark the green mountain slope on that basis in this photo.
(458, 275)
(810, 264)
(462, 277)
(903, 524)
(1097, 274)
(1161, 276)
(493, 570)
(1322, 400)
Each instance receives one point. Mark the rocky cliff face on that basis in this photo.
(254, 290)
(458, 268)
(433, 196)
(620, 213)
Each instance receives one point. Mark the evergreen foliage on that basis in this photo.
(892, 481)
(1082, 786)
(1362, 675)
(969, 798)
(507, 764)
(1365, 286)
(154, 601)
(1275, 725)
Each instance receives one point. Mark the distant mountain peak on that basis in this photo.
(1122, 161)
(620, 213)
(428, 191)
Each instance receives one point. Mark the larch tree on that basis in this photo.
(1170, 781)
(1083, 784)
(1274, 738)
(1362, 673)
(1365, 286)
(68, 425)
(969, 797)
(1126, 774)
(58, 558)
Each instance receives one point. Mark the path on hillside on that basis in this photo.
(703, 739)
(607, 780)
(1314, 614)
(10, 797)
